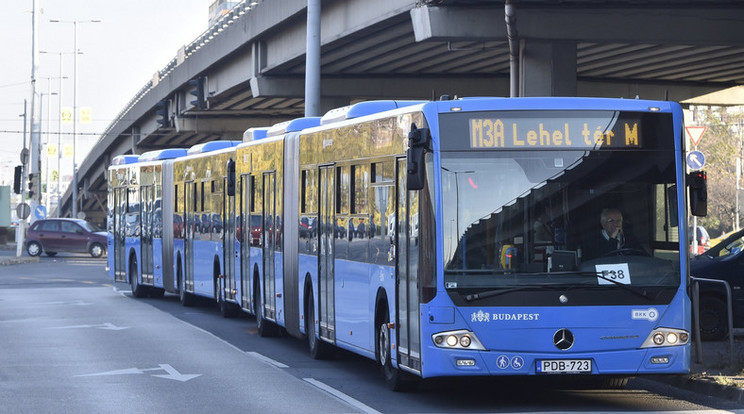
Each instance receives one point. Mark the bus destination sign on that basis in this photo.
(554, 133)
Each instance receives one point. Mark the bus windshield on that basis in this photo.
(521, 224)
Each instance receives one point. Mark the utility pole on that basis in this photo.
(21, 229)
(35, 144)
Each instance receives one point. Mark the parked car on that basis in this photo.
(724, 261)
(703, 240)
(65, 235)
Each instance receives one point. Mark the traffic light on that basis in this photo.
(162, 109)
(199, 92)
(697, 181)
(31, 184)
(17, 179)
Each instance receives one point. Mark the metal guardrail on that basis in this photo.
(696, 316)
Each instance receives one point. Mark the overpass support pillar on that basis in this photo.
(547, 68)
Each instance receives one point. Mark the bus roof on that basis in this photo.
(211, 146)
(297, 124)
(364, 108)
(124, 159)
(164, 154)
(255, 133)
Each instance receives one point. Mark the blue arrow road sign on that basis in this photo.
(695, 160)
(40, 212)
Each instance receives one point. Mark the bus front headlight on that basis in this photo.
(461, 339)
(666, 337)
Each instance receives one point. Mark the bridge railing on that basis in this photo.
(227, 19)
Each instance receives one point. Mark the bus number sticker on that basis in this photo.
(617, 272)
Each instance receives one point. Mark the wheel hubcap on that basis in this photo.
(383, 344)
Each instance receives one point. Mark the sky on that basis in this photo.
(116, 58)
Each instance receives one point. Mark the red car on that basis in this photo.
(65, 235)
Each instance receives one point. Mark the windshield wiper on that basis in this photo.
(479, 271)
(497, 292)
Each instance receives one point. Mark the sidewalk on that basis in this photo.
(8, 256)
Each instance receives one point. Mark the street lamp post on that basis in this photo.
(59, 129)
(49, 94)
(74, 110)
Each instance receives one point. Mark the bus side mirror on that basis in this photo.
(230, 177)
(418, 141)
(697, 182)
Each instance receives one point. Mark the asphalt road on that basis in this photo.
(73, 341)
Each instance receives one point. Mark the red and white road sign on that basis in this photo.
(695, 133)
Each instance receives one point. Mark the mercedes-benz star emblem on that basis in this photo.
(563, 339)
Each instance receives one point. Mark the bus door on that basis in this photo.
(269, 244)
(228, 243)
(407, 298)
(147, 195)
(246, 241)
(326, 249)
(189, 220)
(120, 214)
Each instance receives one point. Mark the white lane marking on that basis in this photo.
(267, 360)
(341, 396)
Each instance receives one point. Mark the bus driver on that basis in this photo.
(611, 238)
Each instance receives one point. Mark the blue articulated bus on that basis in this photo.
(140, 220)
(467, 237)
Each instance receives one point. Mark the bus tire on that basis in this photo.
(184, 297)
(396, 379)
(138, 291)
(227, 309)
(265, 328)
(319, 349)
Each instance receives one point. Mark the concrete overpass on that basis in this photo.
(253, 63)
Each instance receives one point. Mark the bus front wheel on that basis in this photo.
(396, 379)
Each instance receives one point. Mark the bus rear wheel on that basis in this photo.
(265, 328)
(138, 291)
(184, 297)
(319, 349)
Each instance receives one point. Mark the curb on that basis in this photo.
(6, 260)
(704, 387)
(13, 260)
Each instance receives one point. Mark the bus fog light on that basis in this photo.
(683, 337)
(465, 341)
(439, 339)
(452, 340)
(660, 360)
(659, 338)
(671, 338)
(465, 362)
